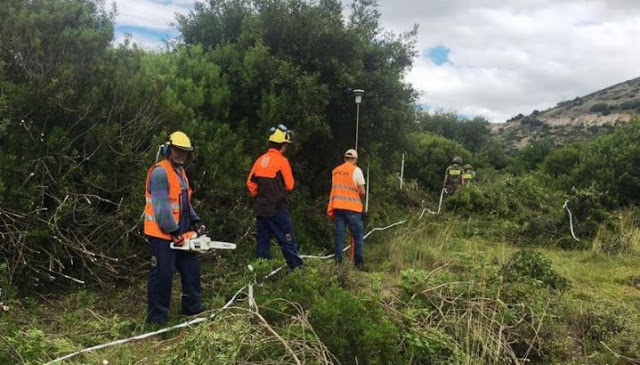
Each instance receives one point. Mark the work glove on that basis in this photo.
(178, 239)
(331, 215)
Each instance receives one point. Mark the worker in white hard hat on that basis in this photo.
(345, 205)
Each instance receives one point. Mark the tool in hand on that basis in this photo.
(191, 241)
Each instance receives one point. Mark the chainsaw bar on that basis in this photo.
(203, 244)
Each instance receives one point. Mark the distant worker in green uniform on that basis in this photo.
(467, 175)
(453, 176)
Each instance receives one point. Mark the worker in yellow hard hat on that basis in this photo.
(168, 214)
(269, 182)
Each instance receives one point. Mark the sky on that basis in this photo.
(489, 58)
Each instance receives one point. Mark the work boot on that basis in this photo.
(360, 267)
(193, 313)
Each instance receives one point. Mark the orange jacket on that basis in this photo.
(269, 181)
(151, 228)
(344, 191)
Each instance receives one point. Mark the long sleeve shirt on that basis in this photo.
(269, 181)
(159, 189)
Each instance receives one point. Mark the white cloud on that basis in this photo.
(513, 57)
(157, 15)
(506, 57)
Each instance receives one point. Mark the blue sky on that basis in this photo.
(149, 22)
(438, 55)
(492, 58)
(141, 32)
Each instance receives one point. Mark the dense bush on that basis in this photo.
(506, 196)
(608, 163)
(531, 157)
(600, 108)
(428, 156)
(80, 120)
(532, 264)
(473, 134)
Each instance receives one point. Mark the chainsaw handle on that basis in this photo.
(178, 240)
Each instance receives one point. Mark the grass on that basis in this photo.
(445, 249)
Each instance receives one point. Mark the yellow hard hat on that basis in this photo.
(281, 134)
(180, 140)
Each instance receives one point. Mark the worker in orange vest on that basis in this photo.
(168, 214)
(345, 205)
(269, 182)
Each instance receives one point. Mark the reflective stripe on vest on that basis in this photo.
(151, 227)
(454, 172)
(346, 187)
(344, 192)
(173, 206)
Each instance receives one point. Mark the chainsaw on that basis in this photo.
(201, 243)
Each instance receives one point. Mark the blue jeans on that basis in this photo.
(281, 227)
(354, 220)
(164, 262)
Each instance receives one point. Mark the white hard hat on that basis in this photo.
(351, 153)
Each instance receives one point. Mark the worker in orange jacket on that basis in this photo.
(345, 205)
(269, 182)
(168, 214)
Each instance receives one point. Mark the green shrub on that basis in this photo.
(355, 328)
(534, 265)
(430, 346)
(609, 165)
(600, 108)
(607, 322)
(32, 347)
(506, 196)
(428, 156)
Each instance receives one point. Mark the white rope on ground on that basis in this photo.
(252, 301)
(149, 334)
(326, 257)
(439, 205)
(384, 228)
(566, 206)
(202, 319)
(274, 272)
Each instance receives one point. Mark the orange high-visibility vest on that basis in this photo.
(151, 227)
(344, 192)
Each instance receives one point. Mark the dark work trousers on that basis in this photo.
(281, 227)
(164, 262)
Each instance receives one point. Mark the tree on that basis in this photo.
(292, 62)
(473, 134)
(428, 156)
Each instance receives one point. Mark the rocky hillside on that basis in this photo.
(572, 120)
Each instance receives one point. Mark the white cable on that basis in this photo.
(384, 228)
(439, 205)
(346, 248)
(149, 334)
(566, 206)
(274, 272)
(202, 319)
(251, 300)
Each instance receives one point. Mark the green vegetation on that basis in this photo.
(496, 278)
